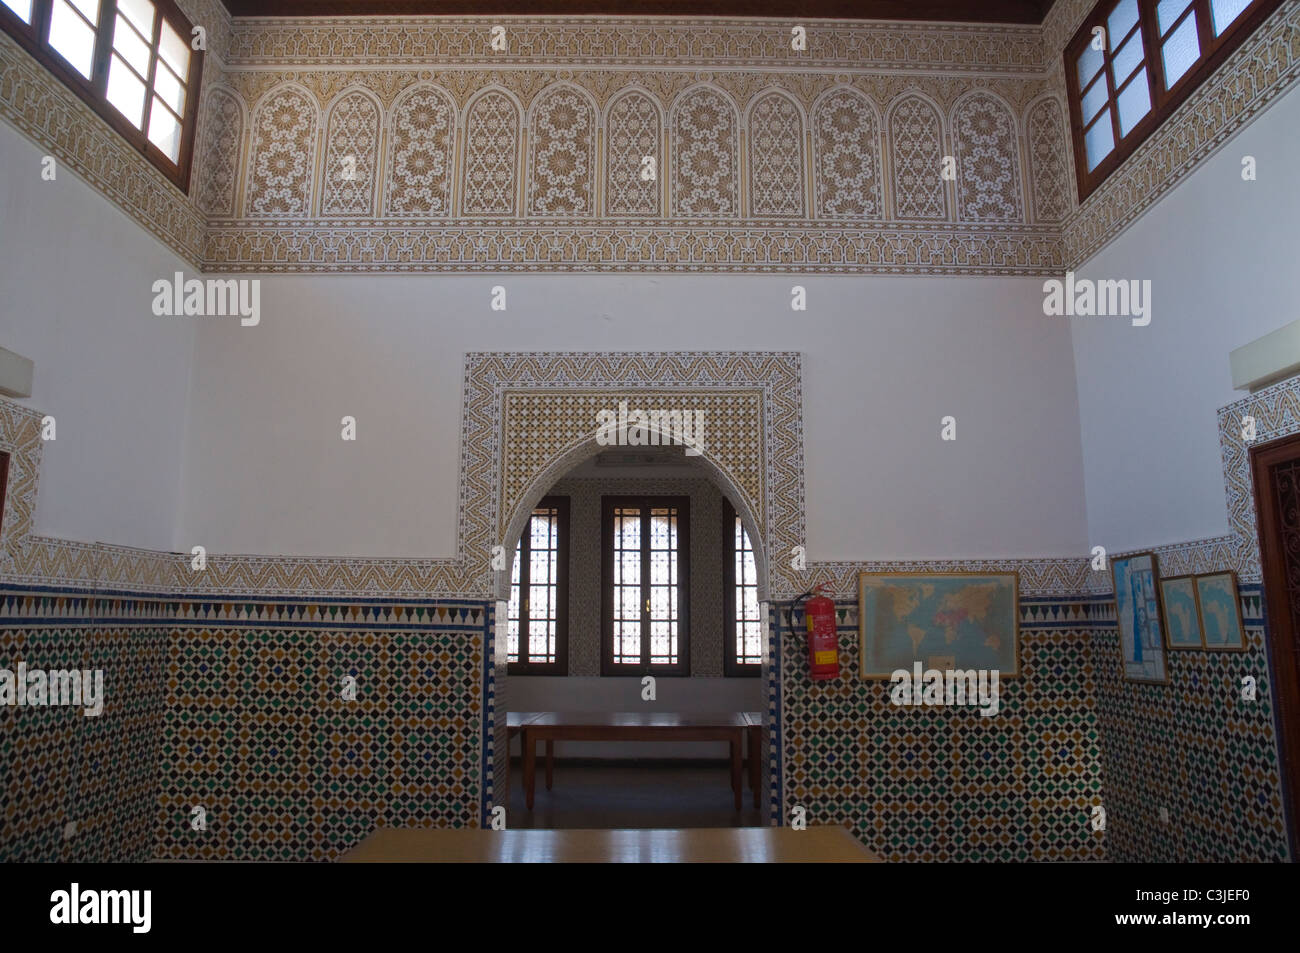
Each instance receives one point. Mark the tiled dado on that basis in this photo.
(946, 784)
(258, 734)
(1193, 747)
(237, 708)
(61, 765)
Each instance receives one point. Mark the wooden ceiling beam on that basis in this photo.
(960, 11)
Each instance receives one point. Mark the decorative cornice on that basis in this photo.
(659, 42)
(472, 246)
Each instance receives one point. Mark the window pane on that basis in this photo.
(1099, 140)
(1168, 12)
(1090, 62)
(1225, 11)
(72, 38)
(170, 91)
(1128, 59)
(1122, 19)
(21, 7)
(1096, 97)
(164, 130)
(1134, 103)
(1181, 51)
(174, 51)
(126, 92)
(139, 12)
(133, 49)
(89, 9)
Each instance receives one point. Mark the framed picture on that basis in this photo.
(942, 620)
(1220, 605)
(1182, 613)
(1141, 625)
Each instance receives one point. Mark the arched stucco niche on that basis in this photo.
(568, 459)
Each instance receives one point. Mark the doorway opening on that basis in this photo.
(636, 640)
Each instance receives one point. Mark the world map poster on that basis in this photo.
(942, 620)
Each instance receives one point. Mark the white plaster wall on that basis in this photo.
(885, 358)
(1221, 254)
(75, 297)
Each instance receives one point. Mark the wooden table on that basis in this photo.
(515, 720)
(730, 727)
(748, 845)
(757, 722)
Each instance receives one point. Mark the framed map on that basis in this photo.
(1141, 629)
(1182, 613)
(942, 620)
(1221, 612)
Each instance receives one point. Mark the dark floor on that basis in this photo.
(627, 794)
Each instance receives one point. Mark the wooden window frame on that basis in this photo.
(33, 37)
(732, 667)
(561, 664)
(607, 507)
(1214, 50)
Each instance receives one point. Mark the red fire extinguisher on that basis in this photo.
(823, 643)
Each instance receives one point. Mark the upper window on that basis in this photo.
(742, 644)
(537, 616)
(645, 575)
(1133, 62)
(130, 60)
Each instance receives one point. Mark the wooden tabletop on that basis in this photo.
(517, 719)
(750, 845)
(638, 719)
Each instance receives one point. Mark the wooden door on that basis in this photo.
(1276, 470)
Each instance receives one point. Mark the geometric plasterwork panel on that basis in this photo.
(776, 157)
(1049, 162)
(633, 132)
(531, 417)
(705, 155)
(1276, 410)
(846, 143)
(916, 153)
(420, 130)
(348, 175)
(219, 161)
(491, 155)
(561, 153)
(20, 437)
(284, 137)
(540, 425)
(988, 164)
